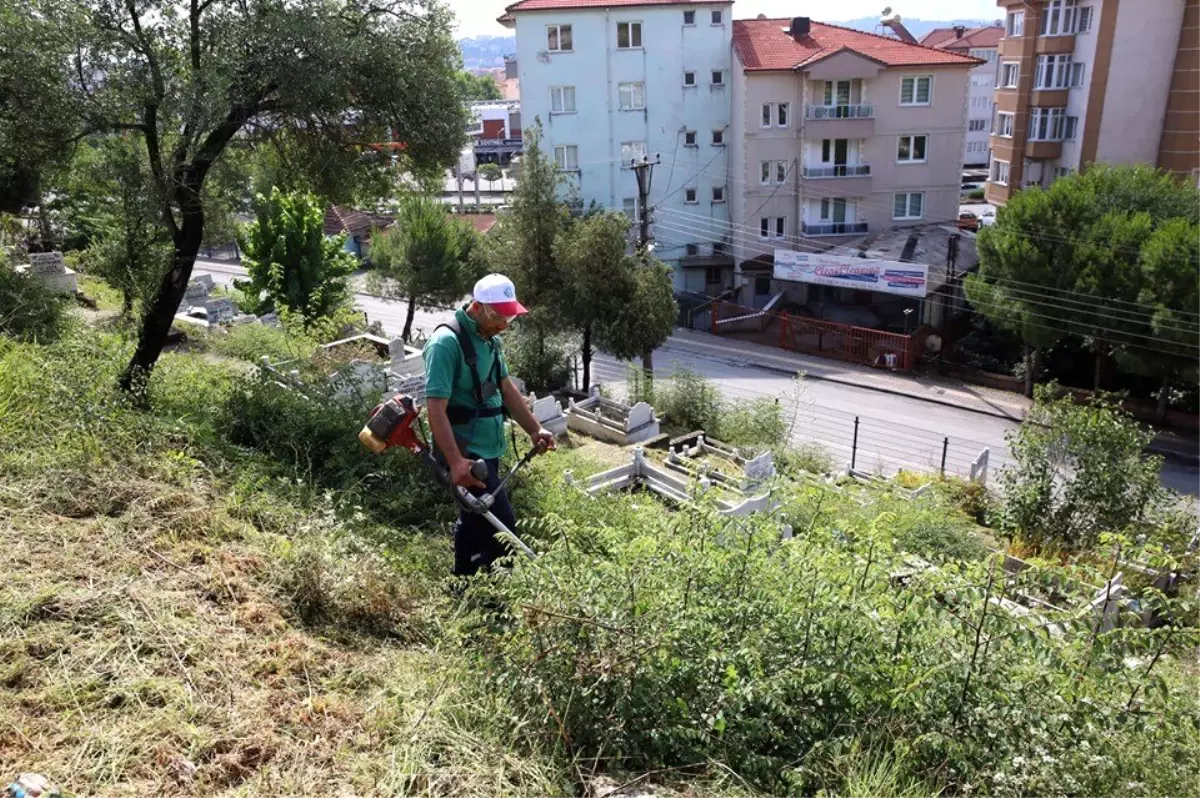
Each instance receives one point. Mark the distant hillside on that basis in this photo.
(917, 27)
(486, 52)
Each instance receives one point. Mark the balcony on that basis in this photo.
(833, 228)
(860, 111)
(837, 170)
(841, 121)
(1043, 149)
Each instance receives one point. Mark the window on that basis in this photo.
(562, 99)
(1069, 127)
(782, 114)
(772, 226)
(772, 172)
(764, 169)
(1004, 124)
(781, 172)
(977, 146)
(911, 149)
(633, 96)
(689, 138)
(712, 274)
(632, 150)
(718, 77)
(1058, 18)
(558, 38)
(916, 90)
(689, 196)
(689, 77)
(629, 205)
(983, 54)
(689, 17)
(1076, 75)
(1083, 20)
(716, 16)
(629, 35)
(718, 194)
(719, 247)
(1009, 72)
(718, 138)
(1062, 171)
(999, 172)
(1015, 24)
(981, 81)
(766, 114)
(692, 249)
(981, 102)
(762, 286)
(566, 156)
(1054, 72)
(976, 125)
(1046, 124)
(909, 205)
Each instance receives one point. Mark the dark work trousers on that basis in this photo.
(475, 543)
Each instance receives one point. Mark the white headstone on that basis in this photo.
(640, 415)
(47, 263)
(760, 468)
(198, 287)
(519, 383)
(546, 409)
(220, 311)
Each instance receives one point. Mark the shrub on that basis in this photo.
(1081, 470)
(29, 310)
(542, 360)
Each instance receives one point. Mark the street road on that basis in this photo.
(894, 431)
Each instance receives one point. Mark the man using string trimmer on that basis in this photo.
(467, 392)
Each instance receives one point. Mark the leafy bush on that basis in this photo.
(28, 309)
(251, 341)
(679, 638)
(690, 402)
(542, 360)
(1081, 470)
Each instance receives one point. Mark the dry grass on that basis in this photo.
(154, 644)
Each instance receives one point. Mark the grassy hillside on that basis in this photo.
(226, 595)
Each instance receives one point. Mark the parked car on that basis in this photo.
(988, 217)
(967, 220)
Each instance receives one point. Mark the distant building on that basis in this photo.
(837, 134)
(614, 80)
(496, 131)
(356, 225)
(1094, 81)
(981, 43)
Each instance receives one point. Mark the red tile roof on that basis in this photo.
(355, 223)
(547, 5)
(482, 222)
(765, 44)
(945, 38)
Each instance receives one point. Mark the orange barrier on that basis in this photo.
(894, 351)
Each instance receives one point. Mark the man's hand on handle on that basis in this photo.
(460, 474)
(543, 440)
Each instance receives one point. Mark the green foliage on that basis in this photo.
(541, 359)
(293, 266)
(691, 402)
(647, 320)
(428, 257)
(250, 342)
(1081, 471)
(491, 172)
(28, 309)
(669, 639)
(476, 87)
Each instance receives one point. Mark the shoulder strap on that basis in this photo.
(470, 360)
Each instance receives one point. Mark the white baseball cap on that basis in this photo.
(498, 291)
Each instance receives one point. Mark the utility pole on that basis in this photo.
(458, 175)
(643, 169)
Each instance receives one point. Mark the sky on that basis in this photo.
(478, 17)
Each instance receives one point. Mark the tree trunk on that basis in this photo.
(1099, 366)
(648, 362)
(1028, 370)
(585, 354)
(126, 303)
(157, 318)
(1035, 369)
(408, 319)
(1160, 411)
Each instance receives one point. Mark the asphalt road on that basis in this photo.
(893, 431)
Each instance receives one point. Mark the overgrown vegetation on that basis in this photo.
(28, 309)
(228, 595)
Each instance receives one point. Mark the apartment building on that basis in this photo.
(839, 133)
(613, 80)
(981, 43)
(1091, 81)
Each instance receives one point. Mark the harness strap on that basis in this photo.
(460, 414)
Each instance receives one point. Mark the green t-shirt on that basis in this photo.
(446, 377)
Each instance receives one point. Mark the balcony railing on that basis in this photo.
(833, 228)
(859, 111)
(838, 170)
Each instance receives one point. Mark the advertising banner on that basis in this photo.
(862, 274)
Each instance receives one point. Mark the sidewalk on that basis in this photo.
(951, 393)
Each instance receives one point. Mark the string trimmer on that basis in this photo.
(396, 422)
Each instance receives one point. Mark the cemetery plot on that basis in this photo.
(613, 421)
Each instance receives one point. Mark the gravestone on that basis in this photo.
(271, 320)
(198, 288)
(519, 383)
(47, 263)
(549, 414)
(219, 311)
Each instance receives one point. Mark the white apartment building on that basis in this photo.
(838, 134)
(981, 43)
(613, 80)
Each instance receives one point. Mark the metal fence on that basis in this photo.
(871, 347)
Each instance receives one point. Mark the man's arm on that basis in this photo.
(443, 436)
(542, 438)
